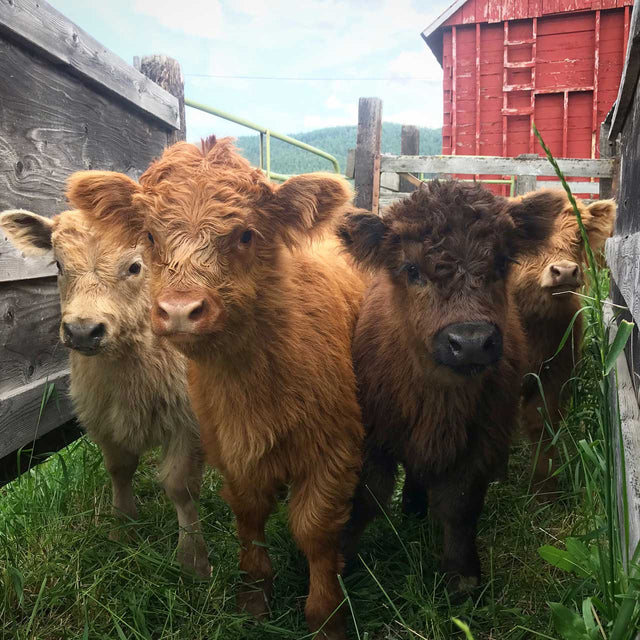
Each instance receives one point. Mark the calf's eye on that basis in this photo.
(150, 238)
(413, 273)
(246, 236)
(135, 268)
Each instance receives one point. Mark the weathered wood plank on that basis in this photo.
(623, 257)
(626, 441)
(21, 418)
(409, 146)
(630, 72)
(166, 73)
(29, 345)
(367, 148)
(496, 165)
(42, 29)
(52, 125)
(576, 187)
(351, 159)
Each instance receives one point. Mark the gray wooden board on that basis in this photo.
(629, 80)
(496, 165)
(38, 26)
(623, 257)
(367, 148)
(626, 441)
(52, 124)
(628, 197)
(22, 417)
(29, 345)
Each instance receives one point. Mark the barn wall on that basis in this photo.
(561, 71)
(66, 104)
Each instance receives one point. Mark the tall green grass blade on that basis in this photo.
(622, 335)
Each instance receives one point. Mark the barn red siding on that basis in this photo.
(508, 63)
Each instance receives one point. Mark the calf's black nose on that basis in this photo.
(83, 336)
(468, 347)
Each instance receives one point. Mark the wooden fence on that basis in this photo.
(381, 179)
(66, 104)
(620, 136)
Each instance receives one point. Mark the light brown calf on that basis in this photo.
(128, 386)
(266, 318)
(544, 285)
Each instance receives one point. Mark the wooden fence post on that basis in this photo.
(409, 146)
(525, 184)
(166, 72)
(608, 186)
(367, 150)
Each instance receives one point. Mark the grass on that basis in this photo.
(63, 578)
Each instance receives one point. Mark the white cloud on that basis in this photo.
(203, 18)
(419, 63)
(426, 117)
(333, 102)
(320, 122)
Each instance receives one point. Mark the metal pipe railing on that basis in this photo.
(265, 139)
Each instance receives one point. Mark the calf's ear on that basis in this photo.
(598, 222)
(362, 234)
(305, 205)
(106, 195)
(28, 232)
(533, 217)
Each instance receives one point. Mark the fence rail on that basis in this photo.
(265, 140)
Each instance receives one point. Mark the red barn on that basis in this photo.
(508, 63)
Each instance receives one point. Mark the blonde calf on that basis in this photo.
(127, 386)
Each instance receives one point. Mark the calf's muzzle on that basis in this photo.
(185, 312)
(468, 347)
(563, 273)
(83, 335)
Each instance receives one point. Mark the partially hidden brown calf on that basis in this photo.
(544, 286)
(128, 387)
(439, 352)
(248, 287)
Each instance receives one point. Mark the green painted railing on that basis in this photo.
(265, 140)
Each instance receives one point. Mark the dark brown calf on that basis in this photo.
(439, 353)
(266, 319)
(544, 286)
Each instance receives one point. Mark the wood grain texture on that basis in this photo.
(367, 148)
(409, 146)
(630, 72)
(22, 418)
(51, 125)
(628, 442)
(492, 165)
(42, 29)
(166, 73)
(29, 343)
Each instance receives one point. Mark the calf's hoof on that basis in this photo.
(255, 600)
(193, 557)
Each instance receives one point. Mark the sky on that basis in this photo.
(337, 51)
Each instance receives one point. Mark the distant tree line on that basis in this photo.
(337, 141)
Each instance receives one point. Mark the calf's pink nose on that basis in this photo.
(564, 272)
(183, 313)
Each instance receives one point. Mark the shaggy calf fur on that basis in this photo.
(543, 285)
(439, 354)
(266, 319)
(128, 387)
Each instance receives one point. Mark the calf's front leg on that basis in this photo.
(456, 500)
(318, 511)
(252, 506)
(182, 478)
(120, 464)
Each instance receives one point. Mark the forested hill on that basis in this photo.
(334, 140)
